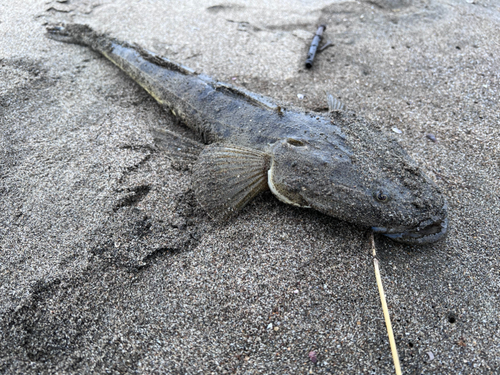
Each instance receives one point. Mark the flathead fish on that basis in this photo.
(337, 163)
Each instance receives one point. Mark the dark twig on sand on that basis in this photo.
(314, 46)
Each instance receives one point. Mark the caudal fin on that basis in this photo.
(72, 33)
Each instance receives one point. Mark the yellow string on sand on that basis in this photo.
(388, 324)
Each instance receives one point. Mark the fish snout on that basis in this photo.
(427, 231)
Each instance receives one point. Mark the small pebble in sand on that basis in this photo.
(300, 96)
(312, 357)
(432, 137)
(396, 130)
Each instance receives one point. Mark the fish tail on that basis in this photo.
(161, 78)
(128, 58)
(78, 34)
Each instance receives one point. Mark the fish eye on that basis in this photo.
(295, 142)
(381, 196)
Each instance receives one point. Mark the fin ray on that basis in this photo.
(178, 148)
(334, 105)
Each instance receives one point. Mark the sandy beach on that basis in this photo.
(109, 265)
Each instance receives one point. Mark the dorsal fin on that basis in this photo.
(251, 97)
(334, 105)
(227, 177)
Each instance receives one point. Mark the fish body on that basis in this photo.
(339, 164)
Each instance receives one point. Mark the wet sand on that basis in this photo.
(107, 263)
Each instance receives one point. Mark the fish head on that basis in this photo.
(360, 176)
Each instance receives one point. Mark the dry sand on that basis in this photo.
(107, 264)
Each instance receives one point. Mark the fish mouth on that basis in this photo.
(427, 231)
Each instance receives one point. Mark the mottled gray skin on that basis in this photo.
(339, 164)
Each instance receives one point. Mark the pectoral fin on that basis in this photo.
(181, 150)
(227, 177)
